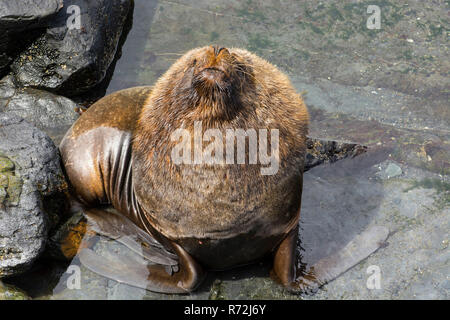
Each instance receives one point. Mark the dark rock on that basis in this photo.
(17, 18)
(32, 186)
(328, 151)
(49, 112)
(388, 170)
(73, 60)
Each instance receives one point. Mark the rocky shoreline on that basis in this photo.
(45, 64)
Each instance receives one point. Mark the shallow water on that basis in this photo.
(386, 89)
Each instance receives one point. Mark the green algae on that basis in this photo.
(10, 184)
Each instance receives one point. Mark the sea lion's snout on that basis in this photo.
(212, 72)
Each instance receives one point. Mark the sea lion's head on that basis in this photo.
(222, 88)
(207, 81)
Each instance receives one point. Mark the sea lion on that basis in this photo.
(210, 211)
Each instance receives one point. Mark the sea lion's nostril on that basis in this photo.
(218, 49)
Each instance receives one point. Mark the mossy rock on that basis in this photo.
(8, 292)
(10, 184)
(30, 180)
(6, 165)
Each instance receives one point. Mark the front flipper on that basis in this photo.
(117, 227)
(328, 268)
(157, 269)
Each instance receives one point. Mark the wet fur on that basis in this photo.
(215, 201)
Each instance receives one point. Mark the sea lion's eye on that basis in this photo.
(194, 62)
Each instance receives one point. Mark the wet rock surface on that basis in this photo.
(77, 48)
(388, 170)
(31, 186)
(49, 112)
(325, 228)
(320, 40)
(19, 15)
(17, 18)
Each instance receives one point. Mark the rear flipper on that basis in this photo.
(155, 269)
(328, 268)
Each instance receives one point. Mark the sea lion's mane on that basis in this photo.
(256, 96)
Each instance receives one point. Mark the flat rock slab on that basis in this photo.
(30, 177)
(370, 103)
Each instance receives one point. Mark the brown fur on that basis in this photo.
(219, 201)
(118, 110)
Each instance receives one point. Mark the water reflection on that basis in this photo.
(127, 69)
(339, 201)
